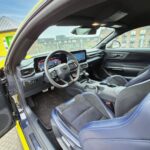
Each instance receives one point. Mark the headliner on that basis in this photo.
(128, 13)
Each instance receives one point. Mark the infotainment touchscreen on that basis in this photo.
(80, 55)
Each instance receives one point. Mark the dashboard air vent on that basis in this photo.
(27, 72)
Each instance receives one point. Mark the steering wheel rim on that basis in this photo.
(57, 70)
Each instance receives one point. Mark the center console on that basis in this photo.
(85, 84)
(105, 92)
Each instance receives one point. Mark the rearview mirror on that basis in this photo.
(84, 31)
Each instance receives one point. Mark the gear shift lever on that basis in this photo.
(86, 74)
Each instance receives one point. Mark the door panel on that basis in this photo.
(6, 120)
(127, 63)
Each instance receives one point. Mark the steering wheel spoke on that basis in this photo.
(69, 81)
(63, 81)
(71, 77)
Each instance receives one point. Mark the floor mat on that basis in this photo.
(45, 102)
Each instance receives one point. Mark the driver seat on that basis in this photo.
(85, 122)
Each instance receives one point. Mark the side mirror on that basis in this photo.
(114, 44)
(84, 31)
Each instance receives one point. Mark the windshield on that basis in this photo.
(61, 38)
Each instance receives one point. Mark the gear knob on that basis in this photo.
(86, 73)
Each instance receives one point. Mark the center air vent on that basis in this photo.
(27, 72)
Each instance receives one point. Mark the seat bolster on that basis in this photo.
(59, 127)
(116, 80)
(128, 132)
(140, 78)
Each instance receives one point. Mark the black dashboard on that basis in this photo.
(31, 72)
(58, 59)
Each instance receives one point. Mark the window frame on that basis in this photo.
(120, 33)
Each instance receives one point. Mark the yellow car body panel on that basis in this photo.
(3, 35)
(21, 136)
(2, 63)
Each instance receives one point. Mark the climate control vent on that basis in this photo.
(27, 72)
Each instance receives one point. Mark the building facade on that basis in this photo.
(8, 29)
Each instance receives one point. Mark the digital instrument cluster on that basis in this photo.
(51, 63)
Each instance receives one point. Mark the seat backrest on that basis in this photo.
(130, 97)
(145, 75)
(130, 132)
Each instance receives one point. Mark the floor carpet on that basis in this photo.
(45, 102)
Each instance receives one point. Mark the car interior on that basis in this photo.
(93, 97)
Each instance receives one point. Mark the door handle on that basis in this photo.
(117, 55)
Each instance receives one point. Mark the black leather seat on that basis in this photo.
(121, 81)
(85, 122)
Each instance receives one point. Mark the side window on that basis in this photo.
(137, 38)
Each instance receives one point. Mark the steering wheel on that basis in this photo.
(63, 74)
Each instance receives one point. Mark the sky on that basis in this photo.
(16, 9)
